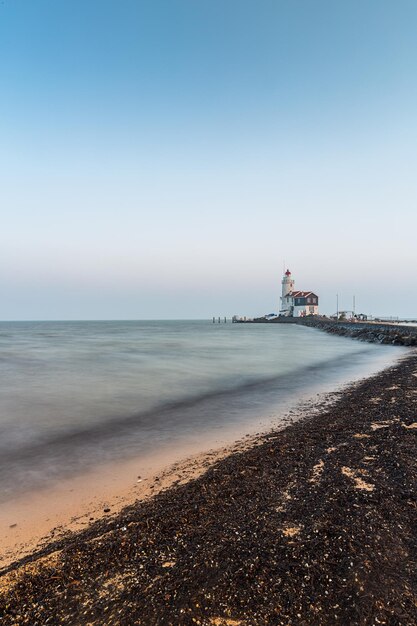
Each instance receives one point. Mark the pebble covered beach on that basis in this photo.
(314, 524)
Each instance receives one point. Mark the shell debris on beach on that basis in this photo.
(314, 524)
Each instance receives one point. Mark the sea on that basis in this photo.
(74, 395)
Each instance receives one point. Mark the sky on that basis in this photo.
(164, 159)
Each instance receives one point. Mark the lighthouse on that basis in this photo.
(296, 303)
(287, 284)
(287, 288)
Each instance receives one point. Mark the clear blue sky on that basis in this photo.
(160, 159)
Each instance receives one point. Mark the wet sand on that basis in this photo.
(35, 519)
(313, 524)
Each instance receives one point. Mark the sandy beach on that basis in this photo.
(33, 520)
(313, 524)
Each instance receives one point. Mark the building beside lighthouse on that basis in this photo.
(296, 303)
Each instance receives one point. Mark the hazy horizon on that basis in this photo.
(163, 159)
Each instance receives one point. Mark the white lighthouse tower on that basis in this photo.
(287, 288)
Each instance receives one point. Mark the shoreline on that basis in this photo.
(32, 521)
(37, 516)
(265, 535)
(34, 518)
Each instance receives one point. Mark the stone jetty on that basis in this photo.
(373, 332)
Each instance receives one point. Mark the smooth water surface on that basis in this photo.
(73, 394)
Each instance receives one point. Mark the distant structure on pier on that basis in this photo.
(296, 303)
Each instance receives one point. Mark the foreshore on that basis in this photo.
(313, 524)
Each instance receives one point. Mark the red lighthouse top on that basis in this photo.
(288, 273)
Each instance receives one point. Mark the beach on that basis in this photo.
(314, 523)
(34, 519)
(91, 413)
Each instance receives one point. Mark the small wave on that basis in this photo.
(167, 415)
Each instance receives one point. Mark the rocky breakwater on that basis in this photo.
(365, 331)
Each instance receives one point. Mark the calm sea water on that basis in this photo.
(73, 394)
